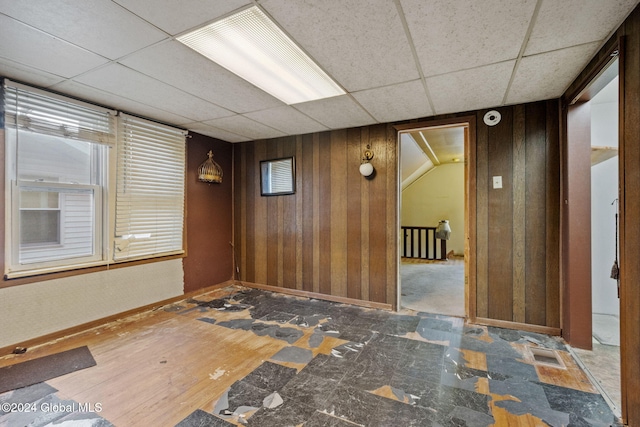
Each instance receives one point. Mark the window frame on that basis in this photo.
(97, 255)
(104, 200)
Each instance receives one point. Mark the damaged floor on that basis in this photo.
(237, 356)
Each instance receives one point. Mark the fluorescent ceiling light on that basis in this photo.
(250, 45)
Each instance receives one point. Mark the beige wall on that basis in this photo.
(437, 195)
(37, 309)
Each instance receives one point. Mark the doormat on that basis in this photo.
(45, 368)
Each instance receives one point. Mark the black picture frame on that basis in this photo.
(278, 176)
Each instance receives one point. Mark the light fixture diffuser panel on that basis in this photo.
(253, 47)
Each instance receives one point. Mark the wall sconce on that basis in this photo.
(210, 171)
(366, 168)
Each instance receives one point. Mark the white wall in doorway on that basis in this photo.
(604, 190)
(437, 195)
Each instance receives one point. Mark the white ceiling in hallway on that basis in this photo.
(396, 59)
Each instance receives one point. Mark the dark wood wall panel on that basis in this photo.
(354, 226)
(519, 214)
(518, 226)
(346, 225)
(482, 219)
(553, 206)
(324, 210)
(338, 217)
(288, 261)
(536, 217)
(500, 201)
(377, 190)
(336, 234)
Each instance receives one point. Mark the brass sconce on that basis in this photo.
(366, 168)
(210, 171)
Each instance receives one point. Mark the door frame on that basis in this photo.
(469, 204)
(576, 336)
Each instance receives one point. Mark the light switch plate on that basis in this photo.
(497, 182)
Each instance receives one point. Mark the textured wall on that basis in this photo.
(40, 308)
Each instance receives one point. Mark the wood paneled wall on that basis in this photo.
(627, 38)
(337, 234)
(518, 226)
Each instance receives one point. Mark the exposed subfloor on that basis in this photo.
(247, 357)
(433, 286)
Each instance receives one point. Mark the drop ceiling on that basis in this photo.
(396, 59)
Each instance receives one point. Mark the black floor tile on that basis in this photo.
(393, 413)
(270, 376)
(320, 419)
(354, 405)
(244, 394)
(511, 367)
(200, 418)
(586, 405)
(399, 325)
(289, 414)
(309, 389)
(329, 367)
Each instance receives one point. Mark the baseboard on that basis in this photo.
(515, 325)
(307, 294)
(103, 321)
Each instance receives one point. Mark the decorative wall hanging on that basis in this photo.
(210, 171)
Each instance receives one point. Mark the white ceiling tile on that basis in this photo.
(245, 127)
(287, 119)
(473, 89)
(214, 132)
(337, 112)
(28, 46)
(361, 44)
(581, 21)
(186, 69)
(100, 26)
(177, 16)
(109, 100)
(25, 74)
(547, 75)
(453, 35)
(122, 81)
(397, 102)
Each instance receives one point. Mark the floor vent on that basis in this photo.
(547, 357)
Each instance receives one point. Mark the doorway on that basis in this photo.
(433, 217)
(596, 114)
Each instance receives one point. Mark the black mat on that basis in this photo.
(44, 368)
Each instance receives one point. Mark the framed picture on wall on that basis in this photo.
(278, 176)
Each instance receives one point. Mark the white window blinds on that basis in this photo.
(29, 109)
(150, 189)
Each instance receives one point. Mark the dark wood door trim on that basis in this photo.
(470, 200)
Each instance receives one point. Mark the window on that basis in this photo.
(150, 189)
(62, 156)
